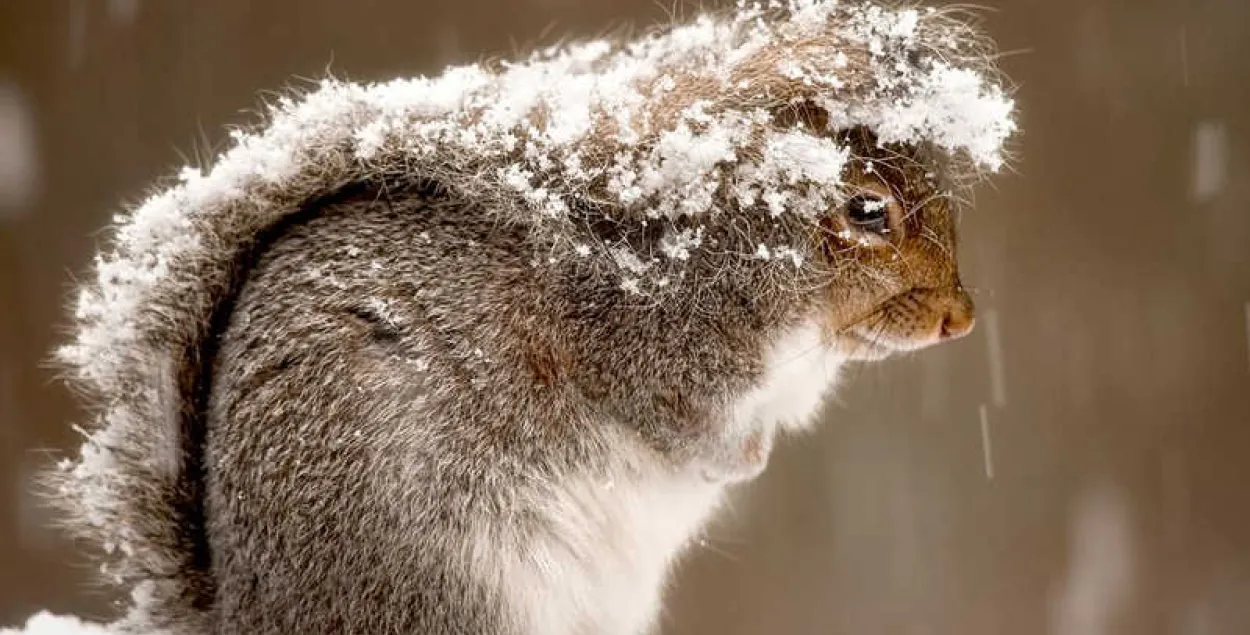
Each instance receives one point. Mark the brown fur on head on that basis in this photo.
(892, 247)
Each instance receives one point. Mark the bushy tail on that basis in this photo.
(143, 340)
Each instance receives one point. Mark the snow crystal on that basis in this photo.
(954, 109)
(798, 156)
(876, 205)
(791, 69)
(686, 160)
(677, 245)
(629, 261)
(776, 201)
(904, 24)
(785, 252)
(631, 286)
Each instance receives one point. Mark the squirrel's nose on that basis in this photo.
(959, 319)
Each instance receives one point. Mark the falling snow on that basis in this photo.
(1210, 161)
(19, 161)
(994, 348)
(1099, 583)
(987, 446)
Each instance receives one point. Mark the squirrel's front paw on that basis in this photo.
(739, 458)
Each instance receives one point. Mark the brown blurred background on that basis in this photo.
(1081, 466)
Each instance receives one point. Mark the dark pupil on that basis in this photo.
(867, 212)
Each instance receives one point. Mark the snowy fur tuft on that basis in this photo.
(674, 130)
(45, 623)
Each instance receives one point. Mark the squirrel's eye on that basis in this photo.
(868, 213)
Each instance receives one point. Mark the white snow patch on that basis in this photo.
(677, 245)
(954, 108)
(876, 205)
(786, 252)
(629, 261)
(798, 156)
(45, 623)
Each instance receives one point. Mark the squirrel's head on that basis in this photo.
(890, 246)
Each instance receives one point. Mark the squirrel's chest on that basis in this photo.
(799, 371)
(607, 543)
(601, 565)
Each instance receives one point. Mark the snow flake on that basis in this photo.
(677, 245)
(629, 261)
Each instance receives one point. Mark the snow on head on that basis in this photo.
(666, 126)
(953, 109)
(660, 125)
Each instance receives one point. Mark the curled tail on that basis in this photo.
(142, 358)
(144, 337)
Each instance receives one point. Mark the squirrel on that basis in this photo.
(481, 353)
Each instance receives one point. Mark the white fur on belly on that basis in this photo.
(600, 565)
(600, 562)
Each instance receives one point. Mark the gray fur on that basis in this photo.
(376, 409)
